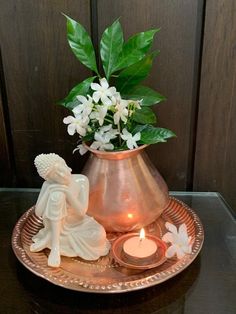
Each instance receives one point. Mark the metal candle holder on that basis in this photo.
(128, 261)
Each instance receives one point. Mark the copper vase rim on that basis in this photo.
(115, 154)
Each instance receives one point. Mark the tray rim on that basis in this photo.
(25, 260)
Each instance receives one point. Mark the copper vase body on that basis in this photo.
(126, 190)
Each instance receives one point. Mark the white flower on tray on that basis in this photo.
(181, 243)
(130, 139)
(103, 92)
(76, 124)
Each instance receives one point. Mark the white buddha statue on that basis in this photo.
(62, 204)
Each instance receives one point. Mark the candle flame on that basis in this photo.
(142, 234)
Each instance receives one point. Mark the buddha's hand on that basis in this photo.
(54, 187)
(61, 188)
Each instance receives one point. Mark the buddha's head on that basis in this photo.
(52, 168)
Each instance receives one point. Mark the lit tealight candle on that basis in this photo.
(139, 247)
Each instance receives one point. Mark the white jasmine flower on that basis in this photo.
(108, 132)
(134, 104)
(101, 142)
(105, 128)
(180, 242)
(137, 103)
(81, 148)
(85, 107)
(76, 124)
(115, 98)
(121, 111)
(99, 114)
(103, 92)
(130, 139)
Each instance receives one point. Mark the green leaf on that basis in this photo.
(135, 48)
(72, 104)
(149, 96)
(152, 135)
(81, 89)
(88, 137)
(135, 73)
(145, 115)
(110, 47)
(81, 44)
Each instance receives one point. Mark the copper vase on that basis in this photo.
(126, 190)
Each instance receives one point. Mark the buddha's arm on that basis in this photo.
(84, 193)
(45, 192)
(80, 203)
(56, 201)
(77, 200)
(41, 201)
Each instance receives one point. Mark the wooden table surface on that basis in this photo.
(208, 285)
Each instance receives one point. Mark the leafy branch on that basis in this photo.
(127, 64)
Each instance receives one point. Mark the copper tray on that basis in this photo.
(106, 275)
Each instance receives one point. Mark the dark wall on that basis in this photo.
(215, 163)
(195, 71)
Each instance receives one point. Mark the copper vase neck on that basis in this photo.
(116, 155)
